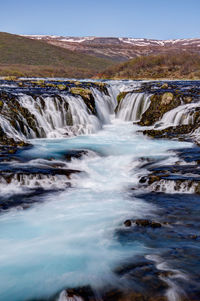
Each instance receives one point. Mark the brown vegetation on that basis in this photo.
(175, 65)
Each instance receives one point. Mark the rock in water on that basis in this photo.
(69, 296)
(127, 223)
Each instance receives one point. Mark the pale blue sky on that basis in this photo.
(159, 19)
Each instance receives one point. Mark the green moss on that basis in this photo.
(61, 87)
(160, 104)
(121, 96)
(51, 85)
(85, 93)
(10, 78)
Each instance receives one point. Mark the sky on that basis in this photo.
(158, 19)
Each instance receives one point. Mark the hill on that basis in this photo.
(21, 56)
(120, 49)
(175, 65)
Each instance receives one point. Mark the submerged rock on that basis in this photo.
(147, 223)
(143, 222)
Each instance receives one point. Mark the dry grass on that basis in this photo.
(172, 65)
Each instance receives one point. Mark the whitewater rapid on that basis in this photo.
(68, 239)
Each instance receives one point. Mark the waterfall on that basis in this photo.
(104, 106)
(133, 106)
(9, 130)
(182, 115)
(63, 115)
(56, 116)
(85, 188)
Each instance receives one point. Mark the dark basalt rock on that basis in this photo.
(74, 154)
(143, 222)
(183, 175)
(155, 225)
(85, 293)
(147, 223)
(8, 174)
(127, 223)
(30, 194)
(172, 132)
(9, 147)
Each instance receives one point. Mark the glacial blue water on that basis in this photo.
(68, 239)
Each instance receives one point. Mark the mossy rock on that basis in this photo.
(187, 99)
(121, 96)
(165, 86)
(172, 132)
(77, 83)
(87, 96)
(85, 93)
(61, 87)
(167, 98)
(20, 84)
(160, 104)
(51, 85)
(10, 78)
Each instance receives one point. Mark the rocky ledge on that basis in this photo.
(22, 119)
(168, 97)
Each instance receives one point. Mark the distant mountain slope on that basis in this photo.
(120, 49)
(23, 56)
(174, 65)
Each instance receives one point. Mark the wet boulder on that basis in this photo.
(147, 223)
(155, 225)
(77, 154)
(143, 222)
(127, 223)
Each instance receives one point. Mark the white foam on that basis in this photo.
(133, 106)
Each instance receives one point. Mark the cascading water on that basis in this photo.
(182, 115)
(58, 116)
(133, 106)
(73, 238)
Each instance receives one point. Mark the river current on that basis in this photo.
(69, 240)
(73, 233)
